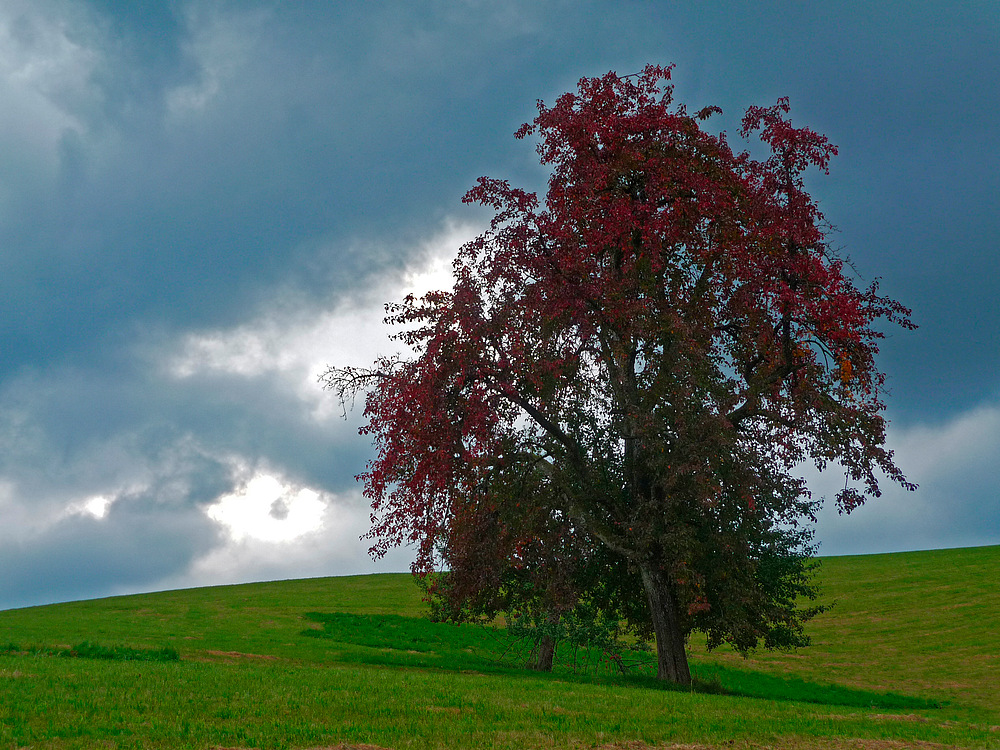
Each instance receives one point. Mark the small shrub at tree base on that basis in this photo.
(583, 640)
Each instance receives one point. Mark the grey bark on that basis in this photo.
(671, 654)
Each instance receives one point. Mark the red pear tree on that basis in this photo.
(658, 345)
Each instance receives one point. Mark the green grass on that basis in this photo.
(87, 650)
(909, 654)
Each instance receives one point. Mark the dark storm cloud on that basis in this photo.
(84, 429)
(256, 417)
(173, 174)
(154, 491)
(138, 543)
(261, 130)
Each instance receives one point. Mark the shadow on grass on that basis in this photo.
(392, 640)
(774, 687)
(88, 650)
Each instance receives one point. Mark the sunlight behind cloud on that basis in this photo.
(336, 548)
(267, 509)
(96, 506)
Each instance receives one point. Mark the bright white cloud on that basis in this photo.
(335, 547)
(270, 509)
(95, 507)
(435, 271)
(297, 343)
(277, 527)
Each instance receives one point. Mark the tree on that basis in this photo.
(662, 342)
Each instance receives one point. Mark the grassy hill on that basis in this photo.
(909, 656)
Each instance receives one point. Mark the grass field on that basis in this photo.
(909, 656)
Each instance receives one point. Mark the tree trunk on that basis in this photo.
(546, 654)
(671, 656)
(547, 646)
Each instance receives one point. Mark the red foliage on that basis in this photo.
(667, 335)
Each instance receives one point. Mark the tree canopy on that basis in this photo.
(638, 364)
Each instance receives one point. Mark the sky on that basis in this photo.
(204, 203)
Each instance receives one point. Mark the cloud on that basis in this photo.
(266, 508)
(221, 435)
(956, 505)
(335, 547)
(218, 43)
(129, 537)
(49, 52)
(292, 341)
